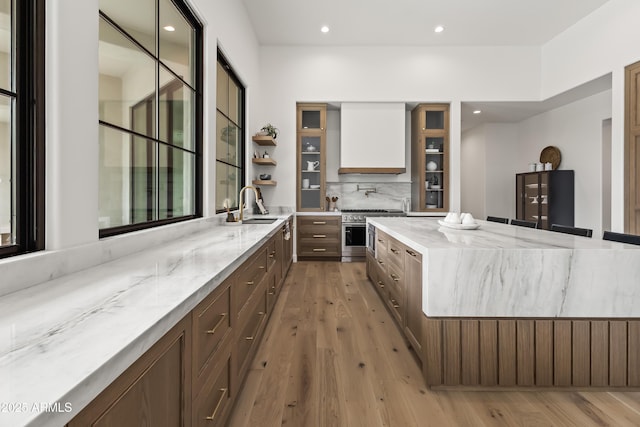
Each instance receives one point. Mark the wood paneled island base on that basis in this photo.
(531, 352)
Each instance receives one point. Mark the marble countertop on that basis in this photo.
(501, 270)
(65, 340)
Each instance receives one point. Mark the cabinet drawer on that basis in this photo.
(248, 335)
(395, 303)
(395, 253)
(211, 406)
(319, 248)
(272, 254)
(319, 222)
(395, 275)
(250, 277)
(382, 242)
(211, 324)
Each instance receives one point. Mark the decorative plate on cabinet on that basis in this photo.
(552, 155)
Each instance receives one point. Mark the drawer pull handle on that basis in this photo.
(213, 330)
(380, 240)
(261, 313)
(394, 303)
(272, 255)
(319, 236)
(271, 293)
(395, 251)
(380, 284)
(319, 222)
(223, 393)
(248, 338)
(380, 262)
(394, 277)
(250, 282)
(261, 267)
(412, 253)
(319, 250)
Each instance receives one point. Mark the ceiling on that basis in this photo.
(411, 22)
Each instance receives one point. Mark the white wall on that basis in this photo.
(576, 129)
(603, 42)
(387, 74)
(473, 171)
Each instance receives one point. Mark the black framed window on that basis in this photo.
(22, 30)
(150, 106)
(230, 111)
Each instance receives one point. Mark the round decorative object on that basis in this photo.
(552, 155)
(431, 165)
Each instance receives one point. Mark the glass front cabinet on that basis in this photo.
(310, 168)
(430, 158)
(546, 197)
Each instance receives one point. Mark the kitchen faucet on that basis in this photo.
(240, 204)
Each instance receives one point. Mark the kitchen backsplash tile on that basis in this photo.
(387, 195)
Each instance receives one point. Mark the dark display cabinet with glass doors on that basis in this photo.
(546, 197)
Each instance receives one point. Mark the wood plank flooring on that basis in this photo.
(332, 356)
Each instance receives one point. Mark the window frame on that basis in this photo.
(29, 131)
(222, 60)
(198, 85)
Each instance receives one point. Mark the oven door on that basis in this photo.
(354, 240)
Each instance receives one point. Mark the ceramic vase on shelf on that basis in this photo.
(431, 165)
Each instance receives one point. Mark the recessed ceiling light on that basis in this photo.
(477, 111)
(324, 29)
(439, 29)
(169, 28)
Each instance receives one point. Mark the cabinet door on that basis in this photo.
(311, 172)
(312, 117)
(528, 196)
(154, 391)
(430, 158)
(413, 304)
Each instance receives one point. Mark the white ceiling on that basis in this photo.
(411, 22)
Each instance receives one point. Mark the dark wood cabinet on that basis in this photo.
(154, 391)
(192, 375)
(546, 197)
(319, 237)
(396, 273)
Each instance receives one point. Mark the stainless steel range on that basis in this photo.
(354, 231)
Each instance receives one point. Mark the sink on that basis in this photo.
(259, 220)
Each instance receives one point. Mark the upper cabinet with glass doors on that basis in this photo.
(311, 140)
(430, 158)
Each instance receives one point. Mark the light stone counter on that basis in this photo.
(65, 340)
(502, 270)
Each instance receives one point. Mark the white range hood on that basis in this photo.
(372, 137)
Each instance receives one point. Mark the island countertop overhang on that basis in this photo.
(501, 270)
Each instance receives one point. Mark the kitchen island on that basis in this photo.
(512, 306)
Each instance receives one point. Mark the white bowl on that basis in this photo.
(314, 186)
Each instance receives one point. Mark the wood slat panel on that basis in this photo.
(470, 346)
(617, 353)
(581, 354)
(562, 353)
(451, 351)
(488, 352)
(525, 348)
(506, 352)
(634, 351)
(599, 353)
(432, 339)
(544, 353)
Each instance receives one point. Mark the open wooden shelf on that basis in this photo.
(264, 140)
(263, 161)
(263, 182)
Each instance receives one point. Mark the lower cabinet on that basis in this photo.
(395, 270)
(319, 237)
(193, 374)
(154, 391)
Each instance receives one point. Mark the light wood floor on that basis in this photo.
(332, 356)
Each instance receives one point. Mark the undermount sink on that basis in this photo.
(259, 220)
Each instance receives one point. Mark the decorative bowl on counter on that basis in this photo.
(265, 176)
